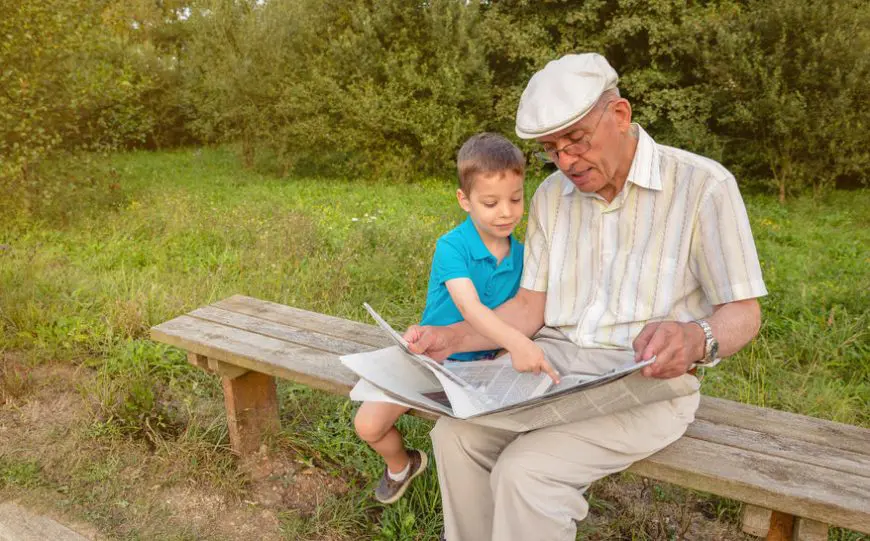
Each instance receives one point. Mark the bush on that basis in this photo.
(338, 87)
(774, 90)
(789, 82)
(66, 83)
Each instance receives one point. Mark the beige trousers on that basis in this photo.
(506, 486)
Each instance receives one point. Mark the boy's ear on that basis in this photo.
(463, 200)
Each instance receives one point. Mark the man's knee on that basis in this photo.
(525, 485)
(513, 473)
(445, 432)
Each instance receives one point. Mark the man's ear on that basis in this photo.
(622, 113)
(463, 200)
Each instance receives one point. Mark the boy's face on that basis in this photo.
(495, 203)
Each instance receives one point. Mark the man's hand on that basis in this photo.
(530, 358)
(434, 342)
(675, 345)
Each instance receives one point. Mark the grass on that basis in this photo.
(139, 238)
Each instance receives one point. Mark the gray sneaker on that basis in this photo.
(389, 491)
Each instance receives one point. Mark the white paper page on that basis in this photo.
(463, 402)
(579, 384)
(498, 382)
(390, 370)
(430, 363)
(365, 391)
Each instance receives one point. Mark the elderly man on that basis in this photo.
(633, 250)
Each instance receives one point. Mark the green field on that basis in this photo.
(130, 240)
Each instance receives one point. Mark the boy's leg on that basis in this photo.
(374, 423)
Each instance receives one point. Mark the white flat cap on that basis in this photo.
(562, 93)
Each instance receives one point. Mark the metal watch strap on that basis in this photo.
(709, 342)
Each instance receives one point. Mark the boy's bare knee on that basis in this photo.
(371, 425)
(365, 426)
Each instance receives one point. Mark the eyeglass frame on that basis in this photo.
(553, 155)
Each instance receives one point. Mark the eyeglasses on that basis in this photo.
(576, 147)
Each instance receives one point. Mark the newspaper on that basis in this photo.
(467, 390)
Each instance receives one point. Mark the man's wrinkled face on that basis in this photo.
(587, 151)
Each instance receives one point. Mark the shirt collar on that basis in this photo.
(645, 168)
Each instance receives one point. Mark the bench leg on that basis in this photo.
(755, 520)
(810, 530)
(781, 527)
(251, 402)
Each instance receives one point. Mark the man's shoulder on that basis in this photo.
(552, 186)
(713, 170)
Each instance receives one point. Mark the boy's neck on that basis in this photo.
(499, 247)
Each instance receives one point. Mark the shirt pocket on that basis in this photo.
(647, 289)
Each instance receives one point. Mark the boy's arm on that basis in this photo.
(526, 356)
(481, 318)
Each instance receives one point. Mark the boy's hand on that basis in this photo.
(530, 358)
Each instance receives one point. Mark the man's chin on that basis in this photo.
(585, 182)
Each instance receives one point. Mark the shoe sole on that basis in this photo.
(424, 461)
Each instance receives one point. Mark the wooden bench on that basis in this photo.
(797, 474)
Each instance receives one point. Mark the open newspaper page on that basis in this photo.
(585, 401)
(459, 389)
(392, 371)
(497, 383)
(477, 386)
(391, 375)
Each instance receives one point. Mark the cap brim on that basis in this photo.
(523, 134)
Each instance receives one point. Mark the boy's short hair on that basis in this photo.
(487, 153)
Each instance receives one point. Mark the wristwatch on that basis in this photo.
(711, 345)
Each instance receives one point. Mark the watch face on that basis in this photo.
(714, 351)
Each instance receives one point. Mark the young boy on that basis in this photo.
(476, 268)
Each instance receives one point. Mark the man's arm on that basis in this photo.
(678, 345)
(524, 312)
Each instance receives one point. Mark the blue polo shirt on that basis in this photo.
(462, 254)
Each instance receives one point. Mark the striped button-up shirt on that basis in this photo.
(674, 242)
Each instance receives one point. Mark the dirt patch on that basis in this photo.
(282, 482)
(121, 487)
(628, 503)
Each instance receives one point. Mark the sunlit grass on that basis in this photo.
(82, 281)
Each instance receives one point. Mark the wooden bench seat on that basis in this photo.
(797, 474)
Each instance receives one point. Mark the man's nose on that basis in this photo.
(564, 161)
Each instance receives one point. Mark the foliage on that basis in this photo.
(355, 88)
(790, 91)
(771, 89)
(68, 84)
(337, 87)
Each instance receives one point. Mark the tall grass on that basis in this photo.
(158, 234)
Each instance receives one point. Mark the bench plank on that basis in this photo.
(792, 447)
(773, 483)
(329, 344)
(256, 352)
(780, 423)
(361, 333)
